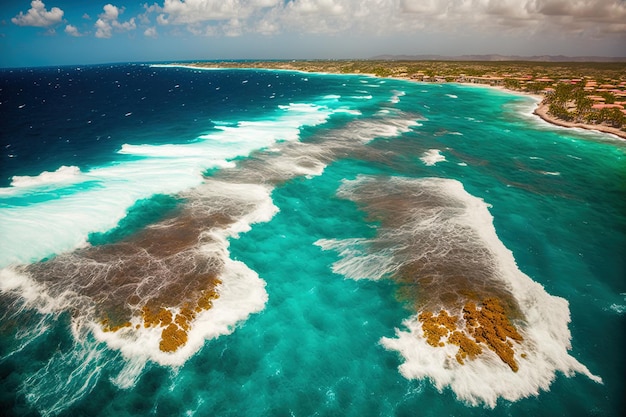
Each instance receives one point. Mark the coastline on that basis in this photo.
(541, 111)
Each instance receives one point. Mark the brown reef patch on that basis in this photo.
(485, 325)
(175, 327)
(158, 277)
(436, 327)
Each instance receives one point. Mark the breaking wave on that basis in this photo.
(438, 242)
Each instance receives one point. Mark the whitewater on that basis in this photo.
(178, 238)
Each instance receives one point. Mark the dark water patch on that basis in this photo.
(82, 116)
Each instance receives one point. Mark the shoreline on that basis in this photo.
(541, 110)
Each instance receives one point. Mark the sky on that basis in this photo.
(80, 32)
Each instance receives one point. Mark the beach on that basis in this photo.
(542, 112)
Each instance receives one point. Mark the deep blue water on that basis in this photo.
(333, 209)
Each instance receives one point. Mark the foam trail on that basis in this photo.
(65, 174)
(439, 243)
(27, 334)
(66, 378)
(130, 373)
(395, 99)
(290, 159)
(432, 157)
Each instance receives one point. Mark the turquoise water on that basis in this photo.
(311, 210)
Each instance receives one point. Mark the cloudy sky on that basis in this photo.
(57, 32)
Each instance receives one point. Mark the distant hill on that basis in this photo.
(495, 58)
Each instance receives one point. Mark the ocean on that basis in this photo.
(177, 241)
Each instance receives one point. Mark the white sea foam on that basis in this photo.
(63, 175)
(32, 293)
(356, 262)
(486, 378)
(32, 231)
(348, 111)
(56, 225)
(395, 99)
(452, 95)
(432, 157)
(618, 308)
(287, 160)
(130, 373)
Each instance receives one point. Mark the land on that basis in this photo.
(588, 95)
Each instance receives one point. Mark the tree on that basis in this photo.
(583, 105)
(563, 93)
(558, 110)
(511, 84)
(609, 98)
(615, 117)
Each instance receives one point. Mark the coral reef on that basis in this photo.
(175, 324)
(485, 325)
(436, 327)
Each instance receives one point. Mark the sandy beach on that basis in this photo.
(542, 111)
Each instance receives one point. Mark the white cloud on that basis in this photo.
(103, 29)
(453, 16)
(72, 31)
(110, 12)
(392, 17)
(233, 28)
(189, 12)
(193, 11)
(151, 32)
(108, 21)
(38, 16)
(320, 7)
